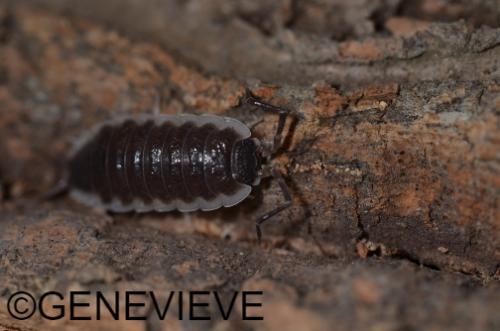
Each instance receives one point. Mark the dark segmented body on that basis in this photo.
(175, 162)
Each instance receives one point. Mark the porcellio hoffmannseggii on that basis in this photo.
(174, 162)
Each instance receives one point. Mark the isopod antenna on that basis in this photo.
(270, 170)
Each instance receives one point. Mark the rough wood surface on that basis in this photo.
(395, 165)
(300, 42)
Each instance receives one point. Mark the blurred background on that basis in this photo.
(394, 167)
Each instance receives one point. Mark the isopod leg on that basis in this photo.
(283, 113)
(285, 190)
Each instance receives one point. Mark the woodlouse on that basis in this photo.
(174, 162)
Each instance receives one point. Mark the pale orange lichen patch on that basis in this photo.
(227, 95)
(139, 70)
(133, 69)
(212, 95)
(363, 50)
(190, 81)
(472, 166)
(483, 131)
(209, 94)
(329, 144)
(471, 208)
(454, 154)
(265, 92)
(102, 89)
(98, 38)
(485, 136)
(282, 160)
(406, 26)
(328, 101)
(157, 55)
(366, 291)
(347, 144)
(310, 111)
(409, 202)
(304, 132)
(462, 176)
(89, 83)
(391, 154)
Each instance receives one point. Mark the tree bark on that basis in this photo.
(394, 161)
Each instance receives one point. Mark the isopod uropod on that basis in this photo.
(174, 162)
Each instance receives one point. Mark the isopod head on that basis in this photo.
(246, 161)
